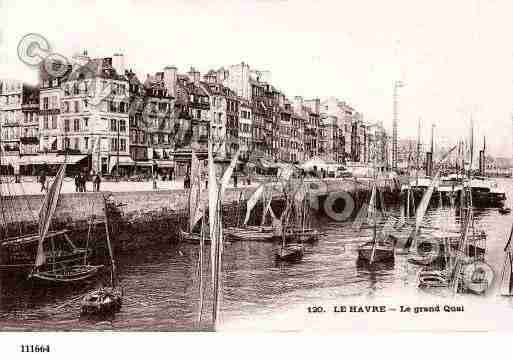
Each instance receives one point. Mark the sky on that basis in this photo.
(454, 57)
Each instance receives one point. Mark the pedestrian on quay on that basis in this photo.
(42, 180)
(97, 182)
(83, 180)
(77, 183)
(186, 181)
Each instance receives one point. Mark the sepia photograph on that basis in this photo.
(257, 166)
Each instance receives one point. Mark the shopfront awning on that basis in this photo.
(165, 163)
(144, 163)
(48, 159)
(122, 160)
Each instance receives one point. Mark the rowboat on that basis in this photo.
(102, 301)
(67, 274)
(382, 252)
(290, 252)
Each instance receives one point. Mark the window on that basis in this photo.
(76, 124)
(114, 144)
(25, 117)
(76, 106)
(66, 143)
(66, 106)
(122, 126)
(54, 121)
(86, 143)
(45, 103)
(122, 107)
(76, 142)
(66, 125)
(86, 122)
(45, 122)
(122, 144)
(113, 126)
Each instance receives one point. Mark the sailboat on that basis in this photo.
(216, 191)
(104, 300)
(302, 230)
(376, 250)
(409, 237)
(61, 271)
(262, 232)
(289, 251)
(196, 206)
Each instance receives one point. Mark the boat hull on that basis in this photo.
(250, 234)
(102, 301)
(289, 253)
(193, 237)
(77, 273)
(382, 253)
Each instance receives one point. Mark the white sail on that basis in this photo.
(372, 204)
(47, 212)
(195, 202)
(424, 202)
(252, 201)
(228, 173)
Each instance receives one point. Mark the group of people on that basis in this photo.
(81, 179)
(80, 182)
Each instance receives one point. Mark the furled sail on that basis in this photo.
(47, 212)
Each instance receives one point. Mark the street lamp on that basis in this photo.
(397, 85)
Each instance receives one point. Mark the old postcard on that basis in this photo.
(267, 166)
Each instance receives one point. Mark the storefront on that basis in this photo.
(121, 165)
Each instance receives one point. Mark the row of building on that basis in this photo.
(96, 113)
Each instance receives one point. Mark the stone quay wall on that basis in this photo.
(152, 217)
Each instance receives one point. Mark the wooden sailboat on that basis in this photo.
(261, 233)
(104, 300)
(57, 271)
(375, 250)
(215, 196)
(289, 252)
(195, 203)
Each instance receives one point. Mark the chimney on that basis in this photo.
(297, 104)
(118, 63)
(194, 76)
(170, 80)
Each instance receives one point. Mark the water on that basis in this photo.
(161, 285)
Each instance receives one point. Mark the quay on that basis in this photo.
(146, 217)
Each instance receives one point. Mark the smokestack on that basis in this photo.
(170, 80)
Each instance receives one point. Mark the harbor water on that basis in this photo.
(161, 284)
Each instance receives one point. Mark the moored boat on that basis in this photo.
(290, 252)
(67, 274)
(104, 300)
(371, 252)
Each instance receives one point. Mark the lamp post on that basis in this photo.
(397, 85)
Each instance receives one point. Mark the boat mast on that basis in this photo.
(109, 245)
(418, 155)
